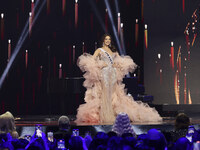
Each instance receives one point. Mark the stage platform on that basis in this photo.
(25, 124)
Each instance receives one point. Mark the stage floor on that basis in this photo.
(25, 125)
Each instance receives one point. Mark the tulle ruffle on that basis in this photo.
(121, 102)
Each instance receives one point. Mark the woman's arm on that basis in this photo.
(96, 53)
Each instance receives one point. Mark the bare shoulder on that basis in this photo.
(96, 53)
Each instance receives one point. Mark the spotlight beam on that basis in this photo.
(97, 14)
(113, 27)
(20, 42)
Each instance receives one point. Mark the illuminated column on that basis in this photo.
(63, 7)
(160, 69)
(183, 5)
(185, 88)
(83, 47)
(30, 23)
(76, 13)
(26, 59)
(73, 54)
(32, 8)
(122, 36)
(136, 32)
(176, 87)
(172, 55)
(189, 97)
(48, 7)
(145, 36)
(2, 26)
(106, 20)
(60, 71)
(118, 23)
(9, 50)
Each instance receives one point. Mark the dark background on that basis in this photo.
(167, 21)
(25, 91)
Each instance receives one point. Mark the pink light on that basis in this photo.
(76, 13)
(2, 15)
(9, 49)
(63, 7)
(106, 20)
(2, 26)
(26, 59)
(136, 32)
(60, 71)
(73, 54)
(32, 8)
(30, 23)
(48, 7)
(119, 22)
(83, 48)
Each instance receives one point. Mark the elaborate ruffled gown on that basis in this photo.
(105, 96)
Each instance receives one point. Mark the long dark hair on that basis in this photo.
(112, 47)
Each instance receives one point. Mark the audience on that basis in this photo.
(7, 124)
(121, 137)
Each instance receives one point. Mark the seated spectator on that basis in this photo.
(114, 142)
(5, 141)
(19, 143)
(122, 125)
(99, 141)
(7, 124)
(156, 140)
(64, 130)
(87, 140)
(76, 143)
(183, 144)
(182, 123)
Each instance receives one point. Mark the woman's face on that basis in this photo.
(107, 41)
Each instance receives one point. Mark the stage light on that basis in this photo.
(2, 15)
(122, 25)
(60, 71)
(159, 56)
(118, 14)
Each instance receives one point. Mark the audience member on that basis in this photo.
(7, 124)
(182, 123)
(156, 140)
(64, 130)
(76, 143)
(122, 125)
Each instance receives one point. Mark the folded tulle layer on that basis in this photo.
(89, 112)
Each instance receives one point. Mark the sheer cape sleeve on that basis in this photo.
(92, 68)
(124, 65)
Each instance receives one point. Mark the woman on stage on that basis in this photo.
(105, 96)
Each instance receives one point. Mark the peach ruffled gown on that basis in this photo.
(105, 96)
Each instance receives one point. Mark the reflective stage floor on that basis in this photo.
(26, 124)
